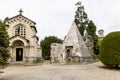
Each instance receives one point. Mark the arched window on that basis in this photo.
(20, 30)
(18, 43)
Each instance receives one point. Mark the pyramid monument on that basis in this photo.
(74, 46)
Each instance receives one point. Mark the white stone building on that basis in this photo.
(23, 45)
(74, 47)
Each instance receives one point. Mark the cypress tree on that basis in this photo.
(91, 30)
(81, 18)
(4, 44)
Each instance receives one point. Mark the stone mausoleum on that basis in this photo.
(23, 45)
(75, 48)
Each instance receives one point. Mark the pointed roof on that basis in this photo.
(16, 36)
(75, 39)
(20, 15)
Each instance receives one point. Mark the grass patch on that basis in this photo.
(34, 63)
(72, 63)
(2, 67)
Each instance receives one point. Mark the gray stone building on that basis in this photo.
(75, 47)
(101, 33)
(56, 52)
(23, 45)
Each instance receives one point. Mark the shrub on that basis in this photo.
(110, 50)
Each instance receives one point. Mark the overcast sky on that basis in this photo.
(54, 17)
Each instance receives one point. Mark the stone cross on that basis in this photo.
(20, 11)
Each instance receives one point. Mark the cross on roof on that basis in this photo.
(20, 11)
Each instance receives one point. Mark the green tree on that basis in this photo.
(4, 43)
(81, 18)
(45, 45)
(91, 30)
(110, 50)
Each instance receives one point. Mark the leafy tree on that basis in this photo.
(4, 43)
(81, 18)
(83, 23)
(45, 45)
(110, 50)
(91, 30)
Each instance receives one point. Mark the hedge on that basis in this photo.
(110, 50)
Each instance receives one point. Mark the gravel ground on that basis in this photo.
(93, 71)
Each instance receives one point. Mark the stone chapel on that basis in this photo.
(23, 45)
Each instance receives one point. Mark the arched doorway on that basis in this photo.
(19, 49)
(19, 54)
(69, 50)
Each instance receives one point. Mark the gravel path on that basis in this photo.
(60, 72)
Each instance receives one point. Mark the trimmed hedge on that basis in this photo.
(110, 50)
